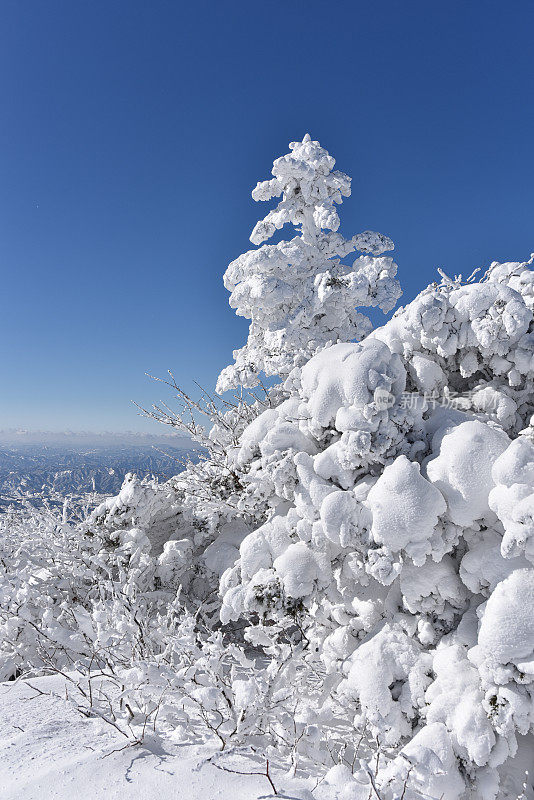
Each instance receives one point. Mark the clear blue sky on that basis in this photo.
(132, 133)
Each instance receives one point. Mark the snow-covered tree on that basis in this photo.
(298, 294)
(400, 543)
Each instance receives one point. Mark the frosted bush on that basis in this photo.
(54, 576)
(399, 547)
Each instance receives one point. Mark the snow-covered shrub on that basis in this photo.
(57, 584)
(138, 660)
(400, 545)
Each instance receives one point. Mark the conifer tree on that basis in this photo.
(298, 294)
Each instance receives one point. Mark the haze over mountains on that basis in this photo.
(16, 436)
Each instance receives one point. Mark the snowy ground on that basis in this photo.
(49, 750)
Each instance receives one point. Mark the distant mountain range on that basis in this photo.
(78, 464)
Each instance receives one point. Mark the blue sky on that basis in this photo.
(132, 133)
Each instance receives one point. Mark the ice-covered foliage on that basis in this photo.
(400, 546)
(298, 294)
(134, 658)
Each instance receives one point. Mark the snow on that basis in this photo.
(60, 754)
(430, 761)
(407, 513)
(340, 517)
(512, 498)
(483, 566)
(516, 464)
(50, 751)
(427, 588)
(455, 699)
(492, 316)
(262, 547)
(377, 665)
(224, 551)
(506, 633)
(427, 373)
(298, 570)
(345, 377)
(405, 509)
(461, 468)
